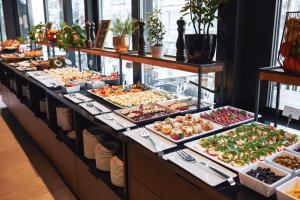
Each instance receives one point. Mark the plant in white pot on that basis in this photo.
(122, 30)
(156, 31)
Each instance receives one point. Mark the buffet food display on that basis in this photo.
(289, 161)
(265, 175)
(133, 95)
(143, 113)
(227, 116)
(236, 149)
(185, 104)
(40, 64)
(33, 53)
(10, 45)
(68, 74)
(181, 128)
(244, 145)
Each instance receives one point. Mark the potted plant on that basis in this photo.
(121, 33)
(156, 31)
(73, 35)
(37, 32)
(200, 47)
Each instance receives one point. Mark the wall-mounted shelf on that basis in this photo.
(166, 62)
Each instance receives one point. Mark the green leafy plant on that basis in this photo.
(37, 32)
(124, 28)
(202, 13)
(156, 29)
(73, 35)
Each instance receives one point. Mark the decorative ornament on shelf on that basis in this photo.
(289, 53)
(88, 34)
(156, 32)
(180, 51)
(200, 47)
(142, 44)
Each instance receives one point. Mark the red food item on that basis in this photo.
(290, 64)
(175, 137)
(227, 116)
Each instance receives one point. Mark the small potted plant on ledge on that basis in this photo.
(73, 35)
(156, 31)
(200, 47)
(122, 32)
(37, 33)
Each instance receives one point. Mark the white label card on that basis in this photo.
(292, 112)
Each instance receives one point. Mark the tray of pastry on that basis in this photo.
(183, 128)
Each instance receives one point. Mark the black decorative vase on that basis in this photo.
(200, 48)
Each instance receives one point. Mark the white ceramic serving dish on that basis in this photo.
(293, 148)
(217, 127)
(72, 89)
(233, 124)
(282, 191)
(259, 186)
(283, 153)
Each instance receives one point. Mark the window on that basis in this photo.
(2, 23)
(23, 18)
(78, 15)
(289, 94)
(112, 10)
(55, 12)
(78, 11)
(175, 80)
(170, 14)
(36, 17)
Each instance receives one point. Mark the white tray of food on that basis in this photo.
(184, 104)
(286, 161)
(184, 128)
(145, 113)
(295, 149)
(289, 190)
(265, 186)
(228, 116)
(233, 151)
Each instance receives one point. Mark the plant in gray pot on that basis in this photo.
(156, 31)
(200, 47)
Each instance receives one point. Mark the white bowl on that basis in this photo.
(259, 186)
(283, 153)
(282, 191)
(72, 89)
(293, 148)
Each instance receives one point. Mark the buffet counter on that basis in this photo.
(148, 173)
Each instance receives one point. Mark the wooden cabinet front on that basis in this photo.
(159, 181)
